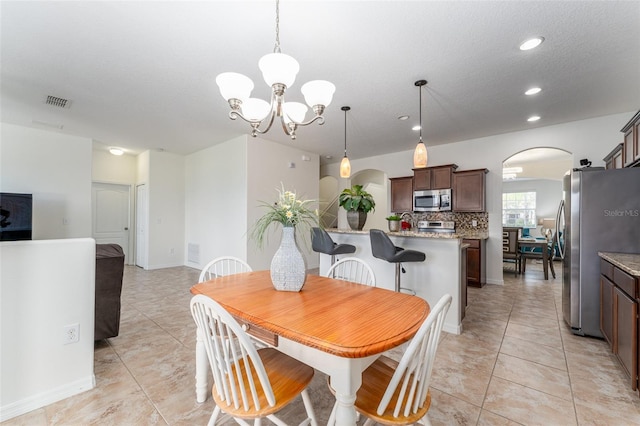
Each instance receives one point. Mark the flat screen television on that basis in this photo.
(16, 211)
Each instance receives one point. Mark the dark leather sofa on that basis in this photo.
(109, 271)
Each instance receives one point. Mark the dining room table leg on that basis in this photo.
(202, 368)
(345, 386)
(545, 261)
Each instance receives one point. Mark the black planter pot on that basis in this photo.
(356, 219)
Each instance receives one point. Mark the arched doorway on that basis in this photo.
(373, 181)
(532, 190)
(537, 171)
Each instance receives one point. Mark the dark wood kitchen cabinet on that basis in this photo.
(614, 160)
(401, 194)
(606, 309)
(631, 130)
(625, 322)
(468, 191)
(439, 177)
(476, 271)
(619, 320)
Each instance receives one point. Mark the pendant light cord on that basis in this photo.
(420, 83)
(345, 132)
(420, 88)
(345, 109)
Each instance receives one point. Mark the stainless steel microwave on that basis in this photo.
(435, 200)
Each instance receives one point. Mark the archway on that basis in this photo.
(373, 181)
(538, 171)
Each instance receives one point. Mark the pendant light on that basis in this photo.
(345, 166)
(420, 154)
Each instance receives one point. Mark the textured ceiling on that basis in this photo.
(141, 75)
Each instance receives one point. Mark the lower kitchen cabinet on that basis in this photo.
(476, 261)
(619, 322)
(606, 309)
(626, 328)
(463, 281)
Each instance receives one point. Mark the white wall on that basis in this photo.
(593, 139)
(216, 202)
(56, 169)
(46, 285)
(166, 199)
(548, 196)
(109, 168)
(268, 165)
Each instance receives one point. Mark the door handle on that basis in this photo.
(126, 229)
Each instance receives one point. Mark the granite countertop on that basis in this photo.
(460, 234)
(628, 262)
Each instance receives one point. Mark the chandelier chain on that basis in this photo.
(279, 71)
(276, 48)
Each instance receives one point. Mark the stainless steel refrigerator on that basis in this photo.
(600, 211)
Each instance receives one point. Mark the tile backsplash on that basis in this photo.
(464, 221)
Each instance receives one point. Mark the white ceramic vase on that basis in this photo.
(288, 266)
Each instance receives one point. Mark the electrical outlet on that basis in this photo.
(71, 333)
(474, 223)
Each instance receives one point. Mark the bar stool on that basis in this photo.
(383, 248)
(321, 242)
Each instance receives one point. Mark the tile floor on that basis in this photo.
(515, 363)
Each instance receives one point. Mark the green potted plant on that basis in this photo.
(357, 202)
(394, 223)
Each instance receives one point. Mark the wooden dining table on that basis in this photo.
(335, 326)
(543, 245)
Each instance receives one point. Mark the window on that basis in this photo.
(519, 209)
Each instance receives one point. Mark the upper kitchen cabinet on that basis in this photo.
(401, 194)
(631, 150)
(468, 190)
(613, 160)
(439, 177)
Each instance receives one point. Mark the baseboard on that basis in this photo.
(43, 399)
(492, 281)
(452, 329)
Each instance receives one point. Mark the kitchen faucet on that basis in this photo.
(412, 219)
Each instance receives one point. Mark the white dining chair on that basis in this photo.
(222, 266)
(352, 269)
(249, 383)
(397, 393)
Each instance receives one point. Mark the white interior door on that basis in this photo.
(141, 226)
(111, 212)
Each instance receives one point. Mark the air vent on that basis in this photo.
(58, 102)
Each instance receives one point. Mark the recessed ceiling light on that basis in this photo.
(403, 117)
(533, 91)
(328, 157)
(531, 43)
(416, 128)
(533, 118)
(116, 151)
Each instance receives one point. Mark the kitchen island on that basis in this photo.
(439, 274)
